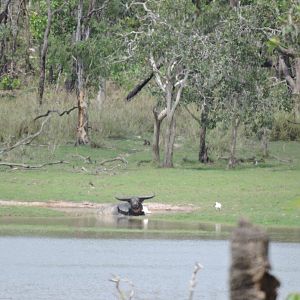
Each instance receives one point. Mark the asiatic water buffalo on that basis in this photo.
(133, 205)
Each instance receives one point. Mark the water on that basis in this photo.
(91, 226)
(66, 268)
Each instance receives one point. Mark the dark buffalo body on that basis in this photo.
(134, 205)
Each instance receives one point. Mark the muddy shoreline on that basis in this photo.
(89, 207)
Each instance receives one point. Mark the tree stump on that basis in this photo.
(249, 272)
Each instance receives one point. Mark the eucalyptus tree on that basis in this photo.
(164, 38)
(286, 42)
(11, 23)
(4, 35)
(205, 75)
(95, 45)
(239, 60)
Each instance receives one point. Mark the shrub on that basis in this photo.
(284, 129)
(9, 83)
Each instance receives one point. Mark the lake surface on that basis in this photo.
(91, 226)
(70, 268)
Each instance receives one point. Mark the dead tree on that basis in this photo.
(249, 272)
(4, 40)
(83, 34)
(44, 49)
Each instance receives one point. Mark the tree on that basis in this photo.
(43, 53)
(286, 43)
(239, 62)
(163, 38)
(4, 33)
(87, 49)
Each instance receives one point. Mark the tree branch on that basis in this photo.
(182, 83)
(141, 85)
(113, 159)
(193, 282)
(68, 111)
(25, 166)
(157, 73)
(117, 280)
(27, 140)
(95, 10)
(3, 14)
(292, 122)
(286, 73)
(287, 51)
(192, 115)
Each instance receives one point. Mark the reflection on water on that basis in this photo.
(114, 226)
(79, 269)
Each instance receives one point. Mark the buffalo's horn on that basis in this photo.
(124, 198)
(142, 198)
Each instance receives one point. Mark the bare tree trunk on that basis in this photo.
(82, 125)
(234, 3)
(14, 13)
(249, 272)
(156, 136)
(232, 159)
(169, 142)
(60, 69)
(158, 118)
(203, 157)
(51, 75)
(101, 96)
(296, 90)
(264, 141)
(43, 55)
(172, 91)
(28, 67)
(4, 41)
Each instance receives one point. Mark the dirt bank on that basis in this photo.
(153, 207)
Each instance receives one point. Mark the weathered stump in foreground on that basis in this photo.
(249, 271)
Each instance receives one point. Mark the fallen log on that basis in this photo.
(26, 166)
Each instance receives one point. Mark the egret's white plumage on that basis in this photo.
(218, 206)
(146, 210)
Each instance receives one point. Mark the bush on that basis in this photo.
(9, 83)
(283, 129)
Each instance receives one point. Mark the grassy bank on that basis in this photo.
(267, 193)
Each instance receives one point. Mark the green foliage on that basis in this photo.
(9, 83)
(38, 24)
(273, 43)
(284, 129)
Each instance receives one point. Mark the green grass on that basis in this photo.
(267, 194)
(103, 232)
(15, 211)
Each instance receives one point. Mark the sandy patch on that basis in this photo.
(154, 206)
